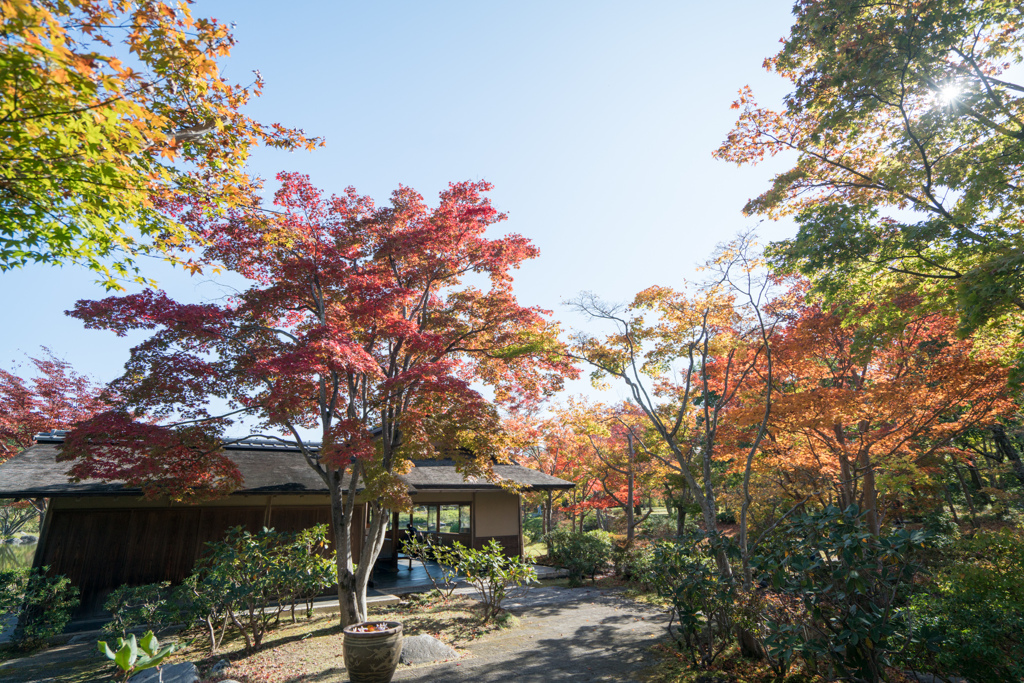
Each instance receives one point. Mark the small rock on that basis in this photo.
(423, 649)
(219, 667)
(28, 540)
(182, 672)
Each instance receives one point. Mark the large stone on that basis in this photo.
(182, 672)
(424, 649)
(219, 667)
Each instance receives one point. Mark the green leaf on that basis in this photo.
(127, 655)
(149, 643)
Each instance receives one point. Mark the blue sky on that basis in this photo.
(595, 121)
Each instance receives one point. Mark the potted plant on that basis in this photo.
(372, 649)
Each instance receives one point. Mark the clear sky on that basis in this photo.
(595, 121)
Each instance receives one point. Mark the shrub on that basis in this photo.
(245, 574)
(726, 517)
(533, 527)
(850, 585)
(12, 590)
(250, 569)
(202, 602)
(310, 568)
(973, 613)
(658, 527)
(448, 559)
(702, 600)
(134, 606)
(941, 527)
(43, 603)
(583, 554)
(492, 573)
(634, 562)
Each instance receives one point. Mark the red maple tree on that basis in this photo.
(57, 397)
(358, 324)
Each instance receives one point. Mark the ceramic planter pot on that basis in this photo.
(372, 656)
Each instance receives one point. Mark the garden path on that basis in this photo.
(579, 634)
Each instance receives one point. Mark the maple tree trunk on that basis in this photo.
(1007, 448)
(967, 495)
(869, 494)
(629, 493)
(949, 500)
(847, 490)
(348, 603)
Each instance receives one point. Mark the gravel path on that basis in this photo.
(578, 634)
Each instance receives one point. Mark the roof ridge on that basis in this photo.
(240, 443)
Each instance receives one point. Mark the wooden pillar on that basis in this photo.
(472, 522)
(519, 507)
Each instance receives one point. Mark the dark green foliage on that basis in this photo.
(634, 562)
(533, 527)
(944, 531)
(850, 584)
(703, 602)
(976, 606)
(311, 570)
(584, 555)
(658, 527)
(492, 573)
(43, 603)
(726, 517)
(448, 559)
(247, 580)
(134, 606)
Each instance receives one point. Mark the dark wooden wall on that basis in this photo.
(101, 549)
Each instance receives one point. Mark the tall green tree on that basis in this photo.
(108, 112)
(909, 138)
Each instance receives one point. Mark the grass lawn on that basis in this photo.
(537, 549)
(308, 650)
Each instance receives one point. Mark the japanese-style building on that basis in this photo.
(102, 535)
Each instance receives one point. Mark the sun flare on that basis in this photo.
(948, 94)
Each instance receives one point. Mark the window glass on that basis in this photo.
(418, 517)
(464, 518)
(432, 519)
(450, 519)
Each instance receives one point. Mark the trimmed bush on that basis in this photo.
(492, 573)
(244, 576)
(131, 607)
(634, 563)
(43, 603)
(584, 555)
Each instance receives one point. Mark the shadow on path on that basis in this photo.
(580, 634)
